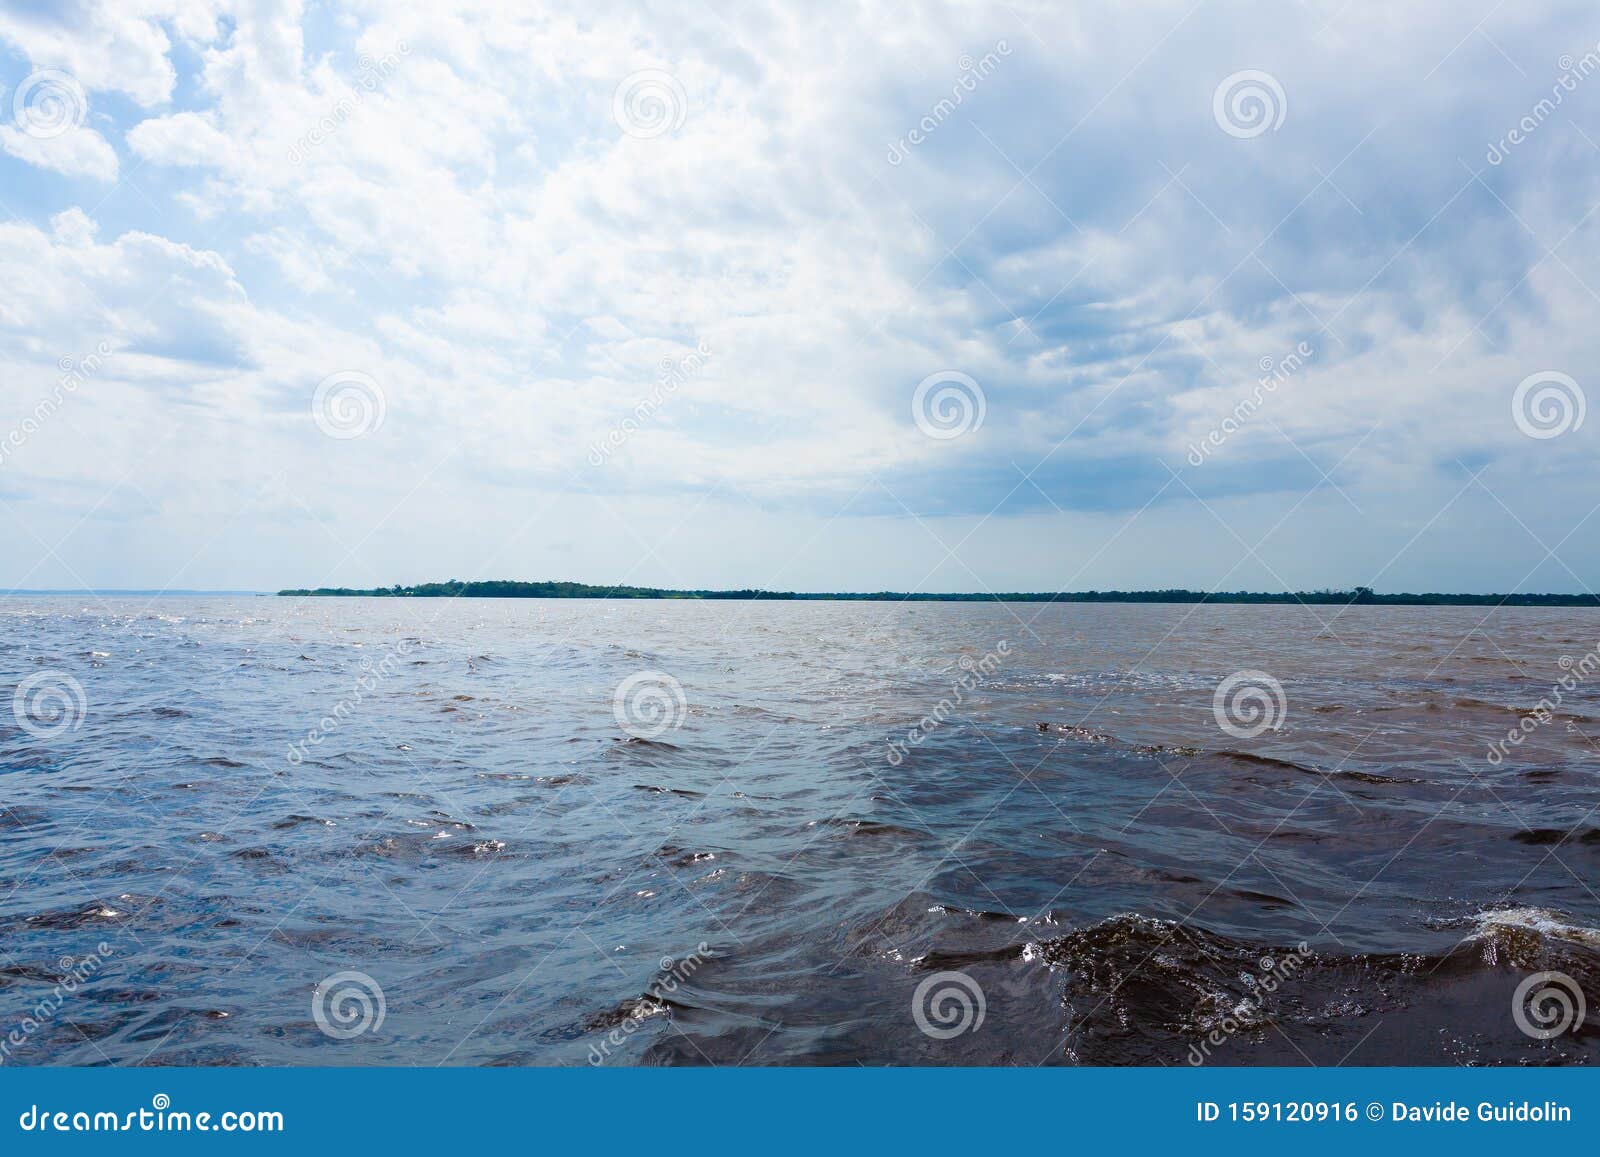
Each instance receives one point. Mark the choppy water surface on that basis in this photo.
(1116, 877)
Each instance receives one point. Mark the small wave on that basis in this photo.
(1171, 977)
(294, 820)
(78, 917)
(979, 914)
(1374, 777)
(1182, 749)
(1555, 837)
(1468, 704)
(438, 819)
(1265, 761)
(869, 828)
(1540, 921)
(681, 857)
(636, 742)
(635, 1010)
(1076, 731)
(17, 817)
(1370, 777)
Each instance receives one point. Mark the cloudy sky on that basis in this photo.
(929, 297)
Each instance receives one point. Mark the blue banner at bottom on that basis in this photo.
(796, 1110)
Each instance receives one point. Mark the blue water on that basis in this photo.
(351, 831)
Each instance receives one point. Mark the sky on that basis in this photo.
(969, 297)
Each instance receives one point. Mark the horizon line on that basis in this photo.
(1353, 596)
(553, 589)
(135, 591)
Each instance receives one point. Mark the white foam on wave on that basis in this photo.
(1539, 920)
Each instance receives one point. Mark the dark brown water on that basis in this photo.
(211, 807)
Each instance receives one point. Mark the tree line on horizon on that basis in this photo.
(1361, 596)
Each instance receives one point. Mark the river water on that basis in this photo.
(286, 831)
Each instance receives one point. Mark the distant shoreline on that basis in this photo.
(1360, 596)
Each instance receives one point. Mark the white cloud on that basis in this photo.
(185, 138)
(61, 292)
(79, 152)
(115, 47)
